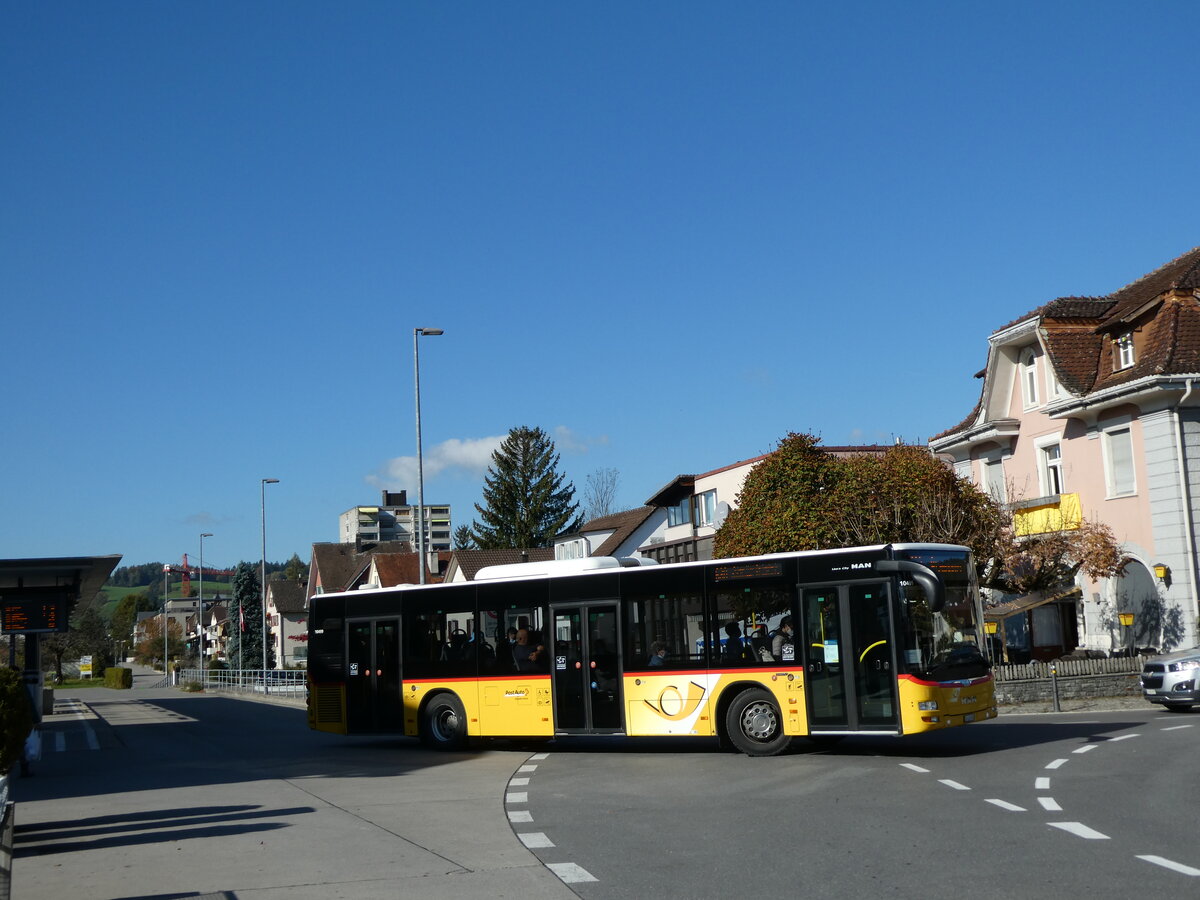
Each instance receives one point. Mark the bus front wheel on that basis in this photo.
(445, 723)
(754, 724)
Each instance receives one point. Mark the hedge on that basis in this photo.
(117, 677)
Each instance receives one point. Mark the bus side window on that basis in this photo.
(672, 622)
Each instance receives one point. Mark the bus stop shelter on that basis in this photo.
(38, 596)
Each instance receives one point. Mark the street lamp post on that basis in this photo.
(166, 668)
(262, 488)
(420, 519)
(201, 617)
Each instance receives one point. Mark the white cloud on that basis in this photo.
(571, 443)
(471, 456)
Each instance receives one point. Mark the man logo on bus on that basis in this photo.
(672, 704)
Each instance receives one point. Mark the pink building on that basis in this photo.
(1091, 406)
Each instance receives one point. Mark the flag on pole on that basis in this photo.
(241, 617)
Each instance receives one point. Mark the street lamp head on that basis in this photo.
(428, 332)
(270, 481)
(206, 534)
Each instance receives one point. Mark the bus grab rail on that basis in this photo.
(928, 579)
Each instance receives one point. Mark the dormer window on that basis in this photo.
(1029, 377)
(1123, 347)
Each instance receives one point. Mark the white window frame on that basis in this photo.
(706, 509)
(1108, 435)
(1124, 350)
(1047, 466)
(999, 490)
(1027, 366)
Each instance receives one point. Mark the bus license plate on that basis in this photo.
(969, 717)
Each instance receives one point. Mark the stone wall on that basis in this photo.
(1075, 687)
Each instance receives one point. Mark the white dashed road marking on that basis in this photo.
(520, 815)
(1079, 830)
(1004, 804)
(516, 797)
(1049, 804)
(953, 784)
(535, 839)
(1042, 784)
(1173, 866)
(571, 873)
(1057, 763)
(1085, 748)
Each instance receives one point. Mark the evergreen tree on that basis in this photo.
(463, 539)
(246, 611)
(528, 501)
(295, 570)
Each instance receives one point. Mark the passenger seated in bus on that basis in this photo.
(781, 645)
(527, 653)
(658, 654)
(734, 650)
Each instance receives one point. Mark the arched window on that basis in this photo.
(1029, 387)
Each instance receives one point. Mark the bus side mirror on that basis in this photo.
(929, 581)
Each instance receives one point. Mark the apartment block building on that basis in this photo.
(394, 519)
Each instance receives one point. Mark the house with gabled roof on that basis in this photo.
(465, 564)
(343, 567)
(287, 619)
(617, 534)
(1090, 408)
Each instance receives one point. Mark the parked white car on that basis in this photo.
(1173, 679)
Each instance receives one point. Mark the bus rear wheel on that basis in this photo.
(445, 724)
(754, 724)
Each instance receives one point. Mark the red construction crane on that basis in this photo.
(187, 571)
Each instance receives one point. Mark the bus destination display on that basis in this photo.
(31, 616)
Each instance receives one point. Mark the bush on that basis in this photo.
(115, 677)
(16, 718)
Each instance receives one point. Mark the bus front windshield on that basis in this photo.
(944, 645)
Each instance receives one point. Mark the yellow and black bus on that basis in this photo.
(752, 651)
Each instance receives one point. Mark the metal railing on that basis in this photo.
(278, 682)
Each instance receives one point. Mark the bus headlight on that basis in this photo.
(925, 705)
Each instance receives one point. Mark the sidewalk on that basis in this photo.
(159, 793)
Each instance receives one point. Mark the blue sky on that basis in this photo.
(667, 233)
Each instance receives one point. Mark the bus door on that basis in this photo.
(585, 664)
(850, 679)
(373, 701)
